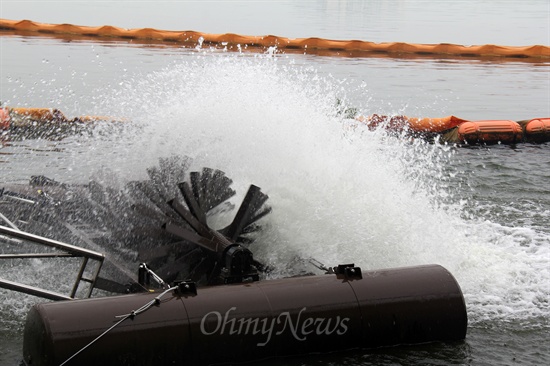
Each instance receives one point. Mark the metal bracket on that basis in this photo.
(185, 288)
(145, 274)
(64, 250)
(348, 272)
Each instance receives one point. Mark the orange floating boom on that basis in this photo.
(537, 130)
(4, 119)
(38, 114)
(27, 117)
(400, 123)
(451, 129)
(508, 132)
(319, 44)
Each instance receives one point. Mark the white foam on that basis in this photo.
(340, 193)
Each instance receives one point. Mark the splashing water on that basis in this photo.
(340, 193)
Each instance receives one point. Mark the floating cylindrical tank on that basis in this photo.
(253, 321)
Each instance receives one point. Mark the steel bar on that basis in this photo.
(52, 243)
(31, 290)
(37, 255)
(79, 276)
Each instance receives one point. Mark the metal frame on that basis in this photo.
(66, 250)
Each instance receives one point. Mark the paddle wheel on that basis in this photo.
(160, 224)
(163, 227)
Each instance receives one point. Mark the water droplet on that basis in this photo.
(271, 50)
(199, 45)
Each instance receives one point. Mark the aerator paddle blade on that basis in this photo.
(252, 209)
(203, 192)
(160, 220)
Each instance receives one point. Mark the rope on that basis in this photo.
(155, 301)
(131, 315)
(236, 41)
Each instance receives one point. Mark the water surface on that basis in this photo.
(339, 192)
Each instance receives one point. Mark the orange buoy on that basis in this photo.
(434, 124)
(4, 119)
(490, 132)
(27, 116)
(414, 124)
(39, 114)
(538, 130)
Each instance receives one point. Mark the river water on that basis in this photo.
(339, 192)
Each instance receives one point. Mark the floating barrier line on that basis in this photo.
(23, 117)
(231, 40)
(450, 129)
(455, 130)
